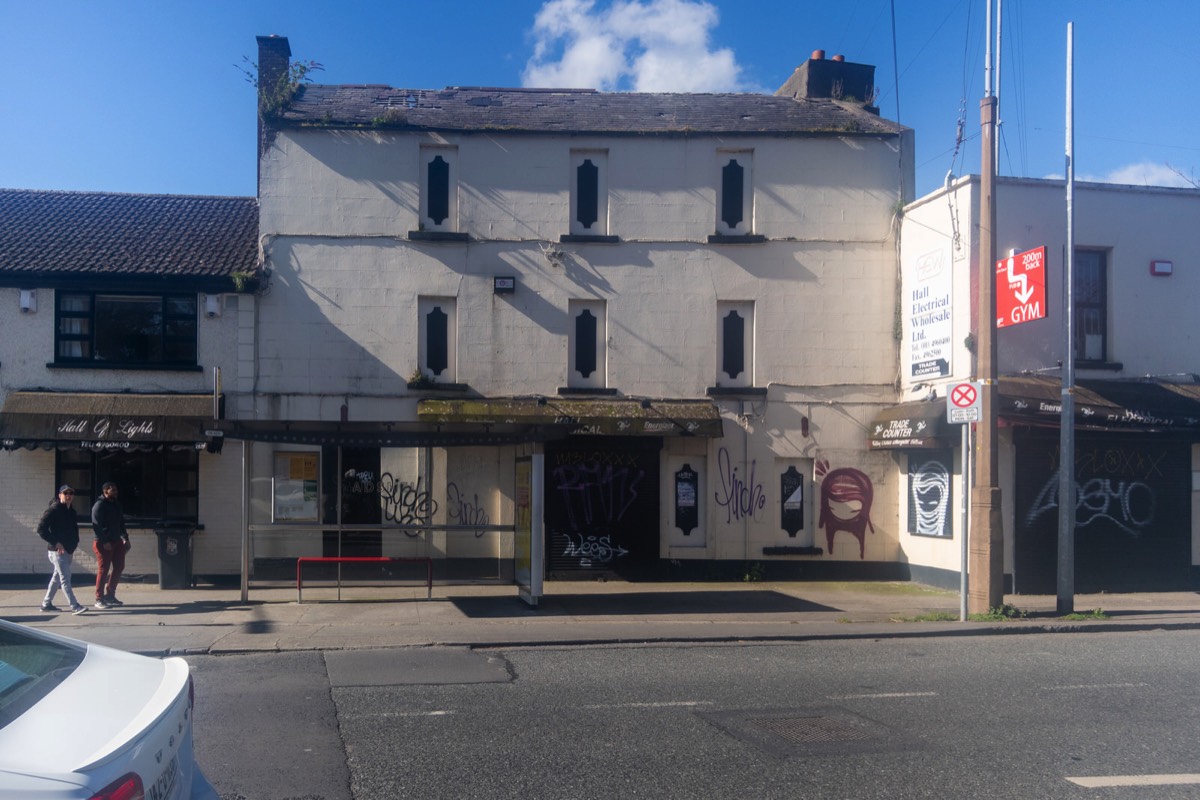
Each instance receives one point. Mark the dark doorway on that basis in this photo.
(602, 510)
(359, 479)
(1132, 513)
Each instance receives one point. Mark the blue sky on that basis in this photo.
(147, 96)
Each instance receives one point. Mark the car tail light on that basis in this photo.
(127, 787)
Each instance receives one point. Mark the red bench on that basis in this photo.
(300, 562)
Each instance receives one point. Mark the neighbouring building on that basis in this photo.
(118, 314)
(1137, 381)
(680, 308)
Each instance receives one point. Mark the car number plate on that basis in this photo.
(162, 786)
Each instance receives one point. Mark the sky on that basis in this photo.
(152, 96)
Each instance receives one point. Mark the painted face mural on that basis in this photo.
(846, 497)
(930, 487)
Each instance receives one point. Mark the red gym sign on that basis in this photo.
(1021, 288)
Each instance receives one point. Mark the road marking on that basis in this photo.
(1136, 780)
(665, 704)
(1097, 686)
(881, 694)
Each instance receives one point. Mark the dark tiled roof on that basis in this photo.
(578, 111)
(53, 234)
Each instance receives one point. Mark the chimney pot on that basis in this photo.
(818, 55)
(839, 57)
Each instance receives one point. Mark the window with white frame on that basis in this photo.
(439, 189)
(735, 197)
(589, 192)
(735, 338)
(437, 338)
(587, 344)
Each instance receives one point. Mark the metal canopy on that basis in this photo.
(1131, 405)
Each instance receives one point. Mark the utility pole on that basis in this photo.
(987, 531)
(1066, 440)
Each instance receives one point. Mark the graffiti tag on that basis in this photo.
(592, 549)
(740, 498)
(405, 503)
(596, 492)
(1129, 505)
(463, 511)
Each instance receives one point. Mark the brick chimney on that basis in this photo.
(835, 78)
(274, 57)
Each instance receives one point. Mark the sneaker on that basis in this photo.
(77, 610)
(112, 600)
(49, 607)
(102, 604)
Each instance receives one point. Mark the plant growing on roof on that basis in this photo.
(274, 100)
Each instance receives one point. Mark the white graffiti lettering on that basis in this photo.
(592, 549)
(1129, 505)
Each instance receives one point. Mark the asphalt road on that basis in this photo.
(1021, 716)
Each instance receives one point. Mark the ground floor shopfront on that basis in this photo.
(1136, 489)
(174, 484)
(625, 488)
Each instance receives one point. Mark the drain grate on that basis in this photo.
(813, 731)
(808, 730)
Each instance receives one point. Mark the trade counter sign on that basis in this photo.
(1021, 288)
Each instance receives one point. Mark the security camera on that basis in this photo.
(28, 301)
(212, 306)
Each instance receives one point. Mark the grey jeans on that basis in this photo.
(61, 562)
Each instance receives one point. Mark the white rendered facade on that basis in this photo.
(354, 260)
(1136, 353)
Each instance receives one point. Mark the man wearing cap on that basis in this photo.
(59, 526)
(110, 546)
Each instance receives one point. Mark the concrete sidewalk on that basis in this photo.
(215, 620)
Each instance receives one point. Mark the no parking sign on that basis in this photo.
(964, 403)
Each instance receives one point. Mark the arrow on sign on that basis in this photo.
(1026, 291)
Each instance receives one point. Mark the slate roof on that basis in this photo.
(577, 111)
(50, 234)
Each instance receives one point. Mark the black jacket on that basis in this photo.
(108, 521)
(59, 525)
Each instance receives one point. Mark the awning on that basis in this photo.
(95, 421)
(369, 434)
(920, 424)
(1132, 405)
(595, 417)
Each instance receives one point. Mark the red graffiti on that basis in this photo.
(846, 497)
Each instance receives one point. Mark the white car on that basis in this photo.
(83, 722)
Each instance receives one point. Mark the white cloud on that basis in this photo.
(1142, 174)
(630, 45)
